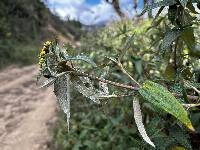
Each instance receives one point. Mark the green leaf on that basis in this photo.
(170, 72)
(188, 36)
(158, 13)
(191, 7)
(195, 52)
(138, 65)
(172, 13)
(158, 4)
(169, 37)
(180, 136)
(139, 123)
(160, 97)
(82, 58)
(183, 2)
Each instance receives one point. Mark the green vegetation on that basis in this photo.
(111, 125)
(149, 66)
(141, 76)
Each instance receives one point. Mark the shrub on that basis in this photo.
(155, 68)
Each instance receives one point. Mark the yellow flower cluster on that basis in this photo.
(43, 52)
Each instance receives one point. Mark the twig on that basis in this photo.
(190, 97)
(175, 51)
(191, 86)
(127, 73)
(106, 81)
(135, 7)
(190, 105)
(115, 96)
(120, 85)
(125, 47)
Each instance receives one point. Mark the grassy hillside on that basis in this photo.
(24, 25)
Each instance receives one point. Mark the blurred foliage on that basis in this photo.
(161, 54)
(14, 53)
(111, 125)
(24, 24)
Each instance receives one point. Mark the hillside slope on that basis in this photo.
(24, 25)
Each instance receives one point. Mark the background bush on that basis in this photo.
(111, 125)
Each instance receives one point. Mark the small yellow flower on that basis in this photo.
(44, 51)
(47, 43)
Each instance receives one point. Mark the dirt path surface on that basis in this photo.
(25, 110)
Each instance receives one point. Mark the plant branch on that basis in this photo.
(115, 96)
(175, 53)
(121, 85)
(125, 47)
(119, 64)
(127, 73)
(191, 86)
(190, 97)
(106, 81)
(188, 106)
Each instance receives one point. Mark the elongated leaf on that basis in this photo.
(85, 87)
(62, 92)
(112, 59)
(188, 36)
(169, 73)
(172, 13)
(158, 13)
(83, 58)
(183, 2)
(191, 7)
(158, 4)
(170, 36)
(162, 98)
(48, 82)
(138, 121)
(104, 86)
(138, 65)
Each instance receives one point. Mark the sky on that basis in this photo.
(90, 12)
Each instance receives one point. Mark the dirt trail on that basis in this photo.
(25, 110)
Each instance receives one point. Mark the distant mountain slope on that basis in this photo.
(24, 19)
(25, 24)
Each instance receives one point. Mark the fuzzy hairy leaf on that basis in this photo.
(50, 63)
(162, 98)
(62, 92)
(104, 86)
(48, 82)
(82, 58)
(138, 121)
(169, 37)
(158, 4)
(183, 2)
(84, 86)
(158, 13)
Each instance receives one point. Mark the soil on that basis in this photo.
(26, 111)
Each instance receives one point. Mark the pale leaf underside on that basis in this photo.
(62, 92)
(138, 121)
